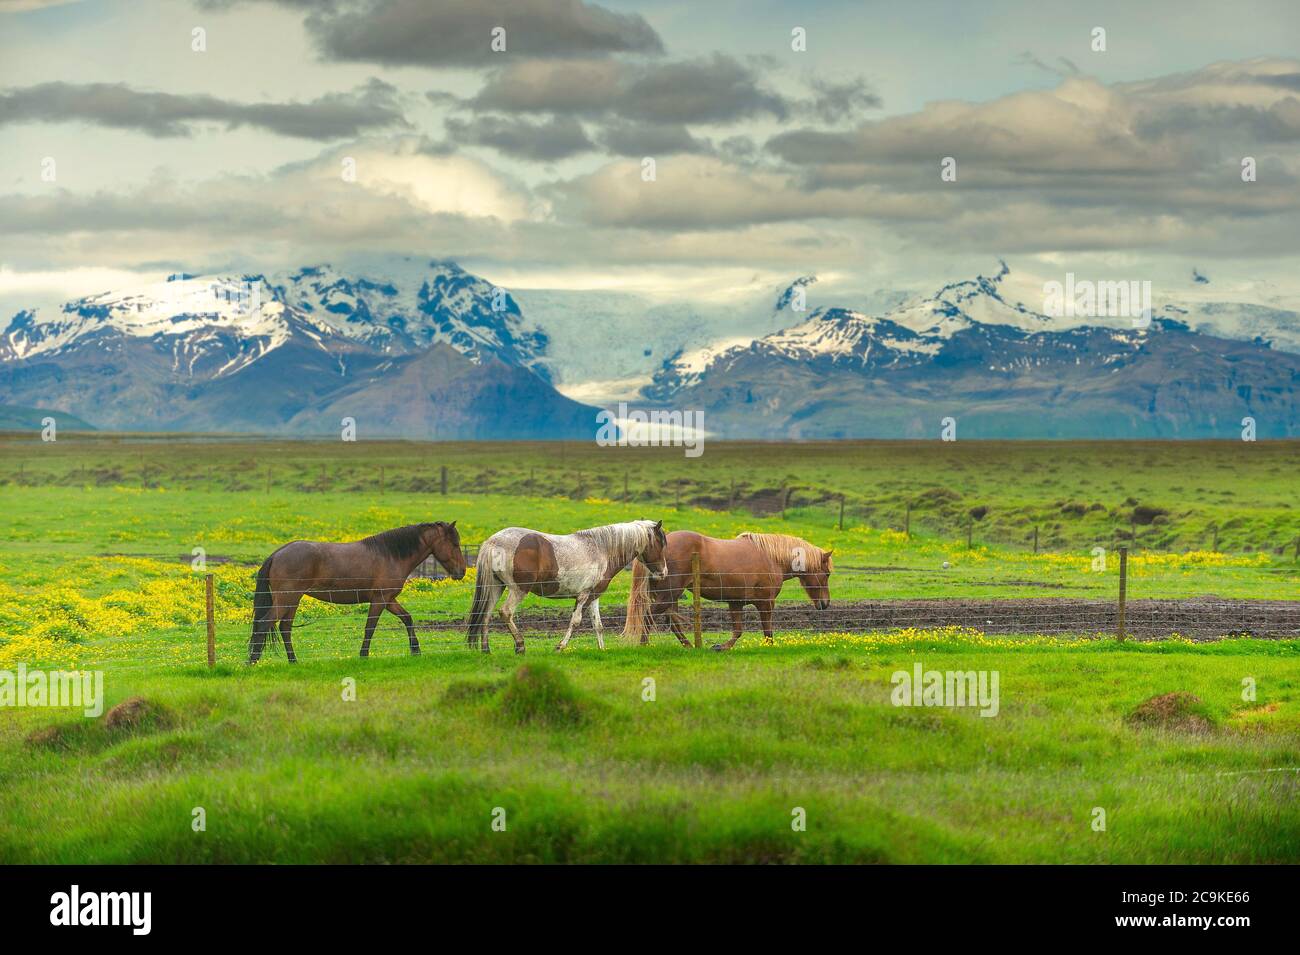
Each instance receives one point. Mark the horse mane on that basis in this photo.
(399, 543)
(782, 547)
(611, 538)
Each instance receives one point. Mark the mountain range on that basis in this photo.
(446, 356)
(998, 368)
(426, 349)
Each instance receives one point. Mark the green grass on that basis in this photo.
(1078, 494)
(710, 770)
(585, 769)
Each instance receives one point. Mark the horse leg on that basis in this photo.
(376, 608)
(596, 624)
(737, 626)
(286, 632)
(675, 624)
(574, 620)
(513, 600)
(400, 613)
(493, 595)
(765, 618)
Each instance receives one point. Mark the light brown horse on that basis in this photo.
(747, 570)
(371, 571)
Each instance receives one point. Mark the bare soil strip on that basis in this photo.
(1199, 618)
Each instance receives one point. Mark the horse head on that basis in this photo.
(815, 576)
(443, 541)
(654, 553)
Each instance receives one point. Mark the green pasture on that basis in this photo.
(96, 544)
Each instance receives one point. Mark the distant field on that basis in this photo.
(1169, 495)
(95, 550)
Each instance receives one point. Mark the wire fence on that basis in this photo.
(333, 628)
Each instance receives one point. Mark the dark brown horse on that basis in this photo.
(372, 571)
(747, 570)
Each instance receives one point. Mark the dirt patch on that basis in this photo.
(48, 737)
(136, 714)
(1173, 712)
(1199, 618)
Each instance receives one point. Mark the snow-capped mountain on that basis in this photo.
(408, 306)
(1008, 371)
(285, 353)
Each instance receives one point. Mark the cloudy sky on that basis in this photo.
(124, 149)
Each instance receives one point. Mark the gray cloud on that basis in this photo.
(544, 141)
(833, 102)
(713, 89)
(459, 32)
(649, 139)
(116, 105)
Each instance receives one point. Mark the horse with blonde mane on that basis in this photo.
(750, 569)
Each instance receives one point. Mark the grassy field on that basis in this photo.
(712, 769)
(95, 552)
(1176, 496)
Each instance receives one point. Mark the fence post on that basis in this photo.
(444, 480)
(731, 499)
(970, 531)
(1123, 590)
(907, 521)
(1035, 538)
(695, 600)
(677, 498)
(212, 624)
(841, 524)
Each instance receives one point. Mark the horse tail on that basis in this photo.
(484, 597)
(637, 625)
(263, 605)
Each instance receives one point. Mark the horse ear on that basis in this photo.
(659, 525)
(453, 523)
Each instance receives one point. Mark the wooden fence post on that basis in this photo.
(840, 526)
(1123, 590)
(1035, 538)
(695, 600)
(677, 499)
(731, 499)
(444, 480)
(907, 521)
(970, 531)
(212, 623)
